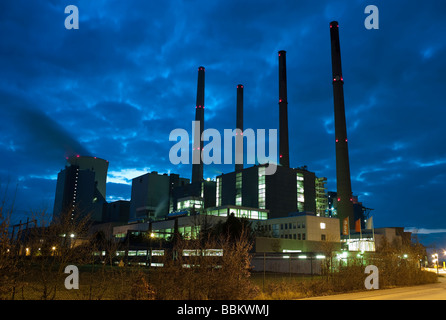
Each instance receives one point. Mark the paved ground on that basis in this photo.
(435, 291)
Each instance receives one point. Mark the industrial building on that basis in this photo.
(81, 188)
(151, 195)
(286, 191)
(360, 212)
(291, 206)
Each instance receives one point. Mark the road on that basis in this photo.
(435, 291)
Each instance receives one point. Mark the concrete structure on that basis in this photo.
(288, 190)
(116, 211)
(188, 226)
(303, 226)
(81, 188)
(344, 189)
(284, 154)
(95, 164)
(358, 209)
(201, 191)
(152, 195)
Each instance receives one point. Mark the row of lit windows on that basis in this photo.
(294, 236)
(186, 204)
(239, 213)
(300, 192)
(238, 189)
(285, 226)
(262, 188)
(186, 252)
(218, 198)
(187, 232)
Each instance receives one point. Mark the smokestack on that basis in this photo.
(197, 164)
(344, 188)
(239, 126)
(284, 156)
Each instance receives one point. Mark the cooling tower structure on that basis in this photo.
(284, 155)
(81, 188)
(344, 188)
(197, 161)
(97, 165)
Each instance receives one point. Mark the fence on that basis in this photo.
(293, 263)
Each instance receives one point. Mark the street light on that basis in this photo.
(435, 256)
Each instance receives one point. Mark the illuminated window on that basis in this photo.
(262, 187)
(238, 189)
(202, 189)
(300, 192)
(322, 225)
(218, 199)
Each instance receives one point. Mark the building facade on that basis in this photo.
(152, 195)
(81, 187)
(286, 191)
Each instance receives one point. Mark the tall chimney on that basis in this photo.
(344, 188)
(239, 126)
(197, 164)
(284, 156)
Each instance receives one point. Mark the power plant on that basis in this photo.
(290, 194)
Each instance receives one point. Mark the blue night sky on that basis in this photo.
(116, 87)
